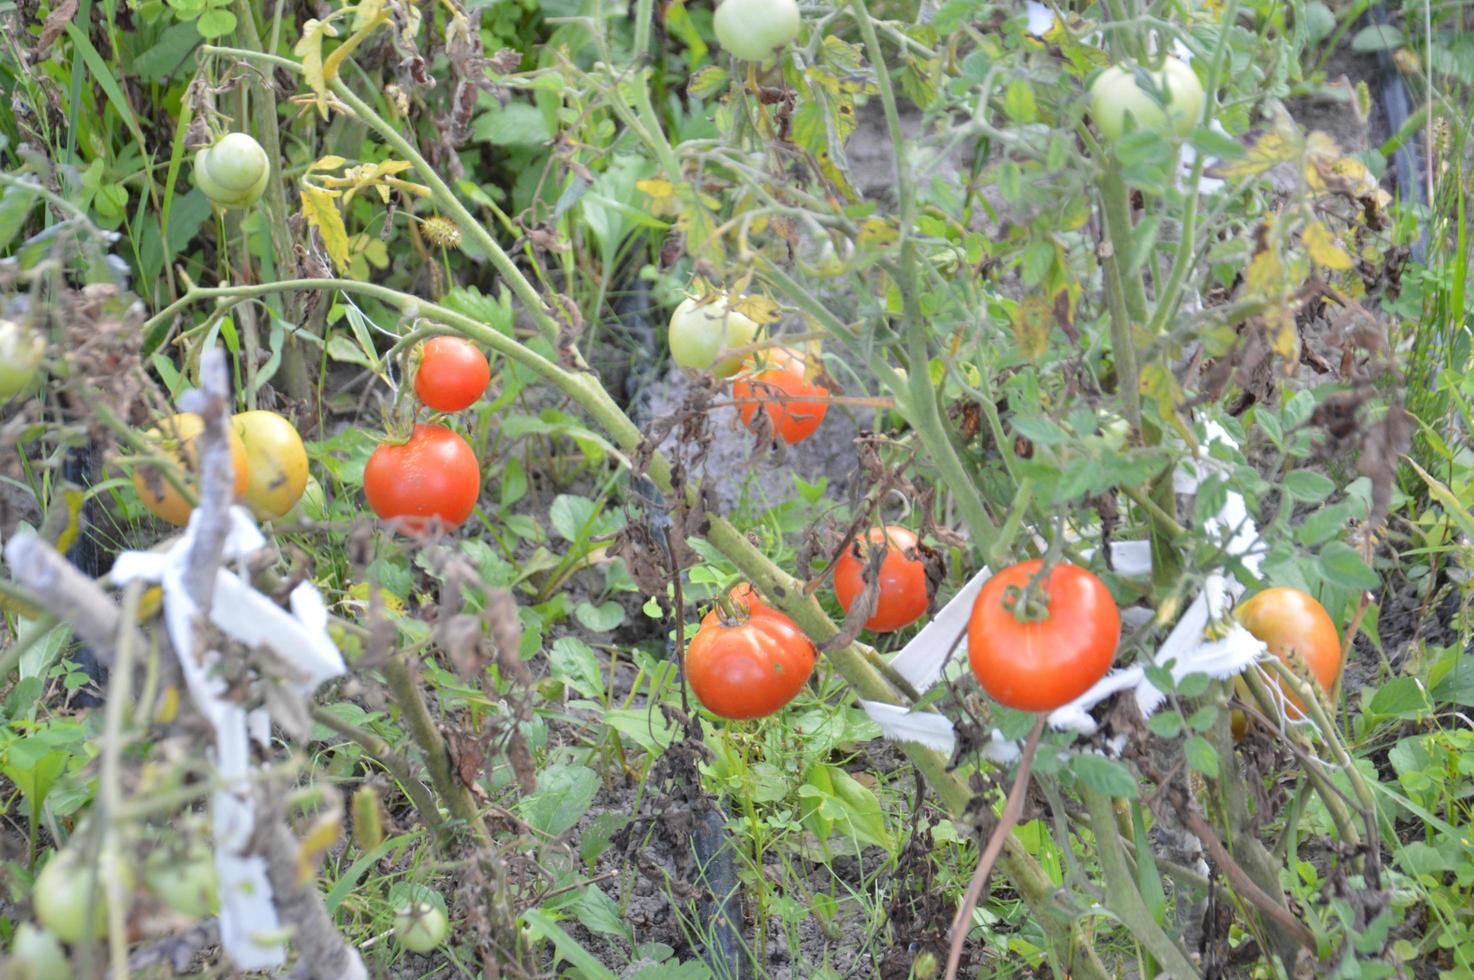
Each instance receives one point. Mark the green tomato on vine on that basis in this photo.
(233, 171)
(1117, 94)
(753, 29)
(699, 332)
(21, 351)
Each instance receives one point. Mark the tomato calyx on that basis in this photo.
(1030, 604)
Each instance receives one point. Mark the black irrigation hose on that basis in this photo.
(721, 907)
(79, 468)
(1407, 158)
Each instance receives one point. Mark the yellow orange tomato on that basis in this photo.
(277, 461)
(176, 438)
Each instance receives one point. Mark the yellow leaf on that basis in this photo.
(1032, 319)
(321, 835)
(335, 60)
(1323, 247)
(758, 309)
(1270, 149)
(309, 49)
(877, 231)
(321, 211)
(329, 162)
(1159, 386)
(365, 12)
(168, 707)
(75, 497)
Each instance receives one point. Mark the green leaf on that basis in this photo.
(573, 662)
(571, 516)
(1401, 697)
(1377, 37)
(15, 206)
(215, 23)
(562, 797)
(863, 818)
(567, 946)
(599, 913)
(646, 727)
(514, 124)
(1104, 775)
(1342, 566)
(1201, 756)
(601, 618)
(1203, 718)
(1165, 724)
(1039, 430)
(1308, 486)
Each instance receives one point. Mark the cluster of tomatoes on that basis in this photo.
(776, 381)
(1037, 637)
(433, 475)
(267, 454)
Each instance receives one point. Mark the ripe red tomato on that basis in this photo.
(775, 380)
(903, 596)
(451, 374)
(1290, 620)
(1040, 664)
(434, 474)
(744, 596)
(750, 668)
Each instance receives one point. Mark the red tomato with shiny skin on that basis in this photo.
(775, 380)
(1042, 664)
(1291, 621)
(903, 597)
(434, 474)
(751, 668)
(451, 375)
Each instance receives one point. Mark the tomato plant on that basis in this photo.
(1117, 94)
(176, 438)
(751, 666)
(276, 460)
(1037, 652)
(233, 171)
(753, 29)
(776, 380)
(421, 926)
(451, 374)
(1295, 627)
(433, 474)
(903, 591)
(21, 351)
(700, 332)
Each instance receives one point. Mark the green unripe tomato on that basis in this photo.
(186, 882)
(1115, 94)
(699, 333)
(312, 505)
(21, 350)
(65, 889)
(753, 29)
(421, 926)
(36, 955)
(233, 172)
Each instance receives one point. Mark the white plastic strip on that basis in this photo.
(247, 912)
(921, 661)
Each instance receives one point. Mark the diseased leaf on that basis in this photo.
(320, 208)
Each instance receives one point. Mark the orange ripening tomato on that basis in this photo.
(452, 373)
(903, 597)
(1042, 663)
(775, 380)
(434, 474)
(177, 438)
(1291, 621)
(749, 668)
